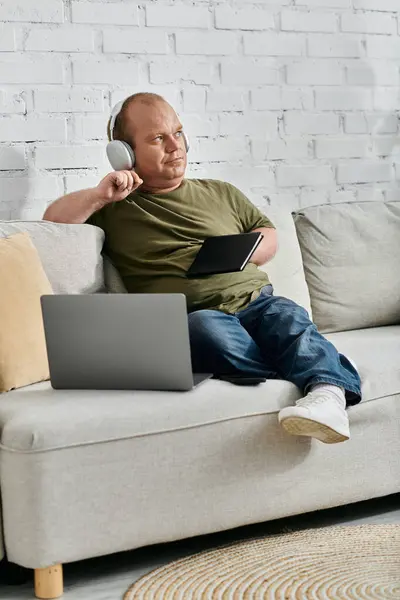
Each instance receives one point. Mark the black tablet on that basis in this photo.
(224, 254)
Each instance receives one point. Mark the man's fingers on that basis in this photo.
(125, 183)
(122, 183)
(137, 180)
(120, 180)
(129, 181)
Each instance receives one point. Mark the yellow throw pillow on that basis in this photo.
(23, 355)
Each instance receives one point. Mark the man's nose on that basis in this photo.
(172, 144)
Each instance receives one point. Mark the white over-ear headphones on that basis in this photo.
(120, 154)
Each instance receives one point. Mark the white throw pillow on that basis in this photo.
(70, 254)
(351, 255)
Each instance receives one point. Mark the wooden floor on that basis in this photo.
(109, 577)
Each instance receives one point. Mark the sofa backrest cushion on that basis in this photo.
(351, 256)
(285, 270)
(70, 254)
(112, 278)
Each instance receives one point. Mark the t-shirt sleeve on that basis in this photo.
(249, 215)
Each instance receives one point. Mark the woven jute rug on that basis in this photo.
(333, 563)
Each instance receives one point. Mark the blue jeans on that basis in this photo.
(273, 338)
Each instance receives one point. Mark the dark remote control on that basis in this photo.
(241, 379)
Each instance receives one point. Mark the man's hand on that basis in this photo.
(116, 186)
(266, 250)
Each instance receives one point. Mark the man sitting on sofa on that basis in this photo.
(155, 220)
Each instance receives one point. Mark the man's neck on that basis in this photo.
(156, 190)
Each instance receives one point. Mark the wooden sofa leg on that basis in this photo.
(49, 582)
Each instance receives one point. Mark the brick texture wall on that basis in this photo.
(294, 101)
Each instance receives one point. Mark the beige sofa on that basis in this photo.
(88, 473)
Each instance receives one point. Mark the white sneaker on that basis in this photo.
(321, 414)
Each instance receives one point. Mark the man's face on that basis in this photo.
(158, 143)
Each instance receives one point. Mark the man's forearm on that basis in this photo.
(76, 207)
(267, 247)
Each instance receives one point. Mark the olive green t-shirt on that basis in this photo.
(152, 240)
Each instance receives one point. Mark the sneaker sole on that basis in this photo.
(309, 428)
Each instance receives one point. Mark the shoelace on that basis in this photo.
(317, 398)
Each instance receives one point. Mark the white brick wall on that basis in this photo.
(168, 71)
(292, 20)
(169, 16)
(274, 44)
(31, 129)
(370, 22)
(313, 72)
(7, 38)
(207, 43)
(105, 71)
(30, 70)
(11, 158)
(362, 171)
(345, 147)
(294, 101)
(70, 39)
(249, 72)
(44, 11)
(70, 101)
(117, 13)
(243, 18)
(69, 157)
(301, 123)
(381, 5)
(302, 175)
(225, 100)
(145, 41)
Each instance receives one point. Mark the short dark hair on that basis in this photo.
(119, 131)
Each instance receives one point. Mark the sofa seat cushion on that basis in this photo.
(40, 418)
(70, 254)
(37, 418)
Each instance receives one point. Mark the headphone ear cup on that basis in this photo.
(186, 139)
(120, 155)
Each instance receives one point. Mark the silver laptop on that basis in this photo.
(119, 341)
